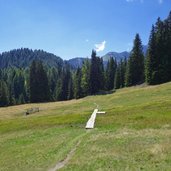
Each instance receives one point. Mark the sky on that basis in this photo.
(72, 28)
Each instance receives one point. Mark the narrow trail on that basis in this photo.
(90, 124)
(62, 163)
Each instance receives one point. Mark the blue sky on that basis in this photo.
(72, 28)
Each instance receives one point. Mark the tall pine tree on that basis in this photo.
(77, 84)
(39, 88)
(4, 96)
(95, 82)
(110, 74)
(135, 67)
(85, 79)
(158, 63)
(151, 60)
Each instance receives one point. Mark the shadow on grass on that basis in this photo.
(105, 92)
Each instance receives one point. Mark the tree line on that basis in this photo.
(43, 83)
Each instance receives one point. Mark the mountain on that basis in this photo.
(116, 55)
(22, 58)
(76, 62)
(121, 55)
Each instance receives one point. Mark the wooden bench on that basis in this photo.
(32, 110)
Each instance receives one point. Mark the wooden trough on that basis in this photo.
(32, 110)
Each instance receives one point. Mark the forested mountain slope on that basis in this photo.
(22, 58)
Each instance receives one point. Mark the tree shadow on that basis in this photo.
(105, 92)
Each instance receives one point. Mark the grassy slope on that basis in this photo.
(135, 133)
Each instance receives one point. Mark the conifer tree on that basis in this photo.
(77, 84)
(135, 67)
(58, 90)
(33, 82)
(101, 75)
(159, 52)
(123, 71)
(120, 74)
(4, 96)
(151, 60)
(169, 45)
(66, 76)
(85, 79)
(39, 88)
(94, 74)
(110, 73)
(117, 82)
(158, 62)
(53, 78)
(70, 89)
(18, 84)
(167, 49)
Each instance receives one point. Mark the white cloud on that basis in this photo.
(100, 47)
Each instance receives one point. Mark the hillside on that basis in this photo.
(22, 58)
(116, 55)
(134, 134)
(76, 62)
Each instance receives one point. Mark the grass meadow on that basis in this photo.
(134, 134)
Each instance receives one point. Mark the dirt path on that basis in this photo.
(62, 163)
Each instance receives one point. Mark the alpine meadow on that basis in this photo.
(107, 110)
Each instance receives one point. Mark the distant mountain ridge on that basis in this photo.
(22, 58)
(76, 62)
(118, 56)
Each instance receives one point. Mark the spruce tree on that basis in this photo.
(158, 62)
(123, 71)
(66, 76)
(39, 88)
(85, 79)
(135, 67)
(120, 74)
(110, 74)
(70, 89)
(159, 53)
(33, 82)
(151, 60)
(167, 50)
(77, 84)
(101, 75)
(4, 96)
(53, 78)
(19, 86)
(58, 90)
(94, 74)
(117, 82)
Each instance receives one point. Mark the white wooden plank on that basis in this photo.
(91, 121)
(101, 112)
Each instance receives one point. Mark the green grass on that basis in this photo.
(134, 134)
